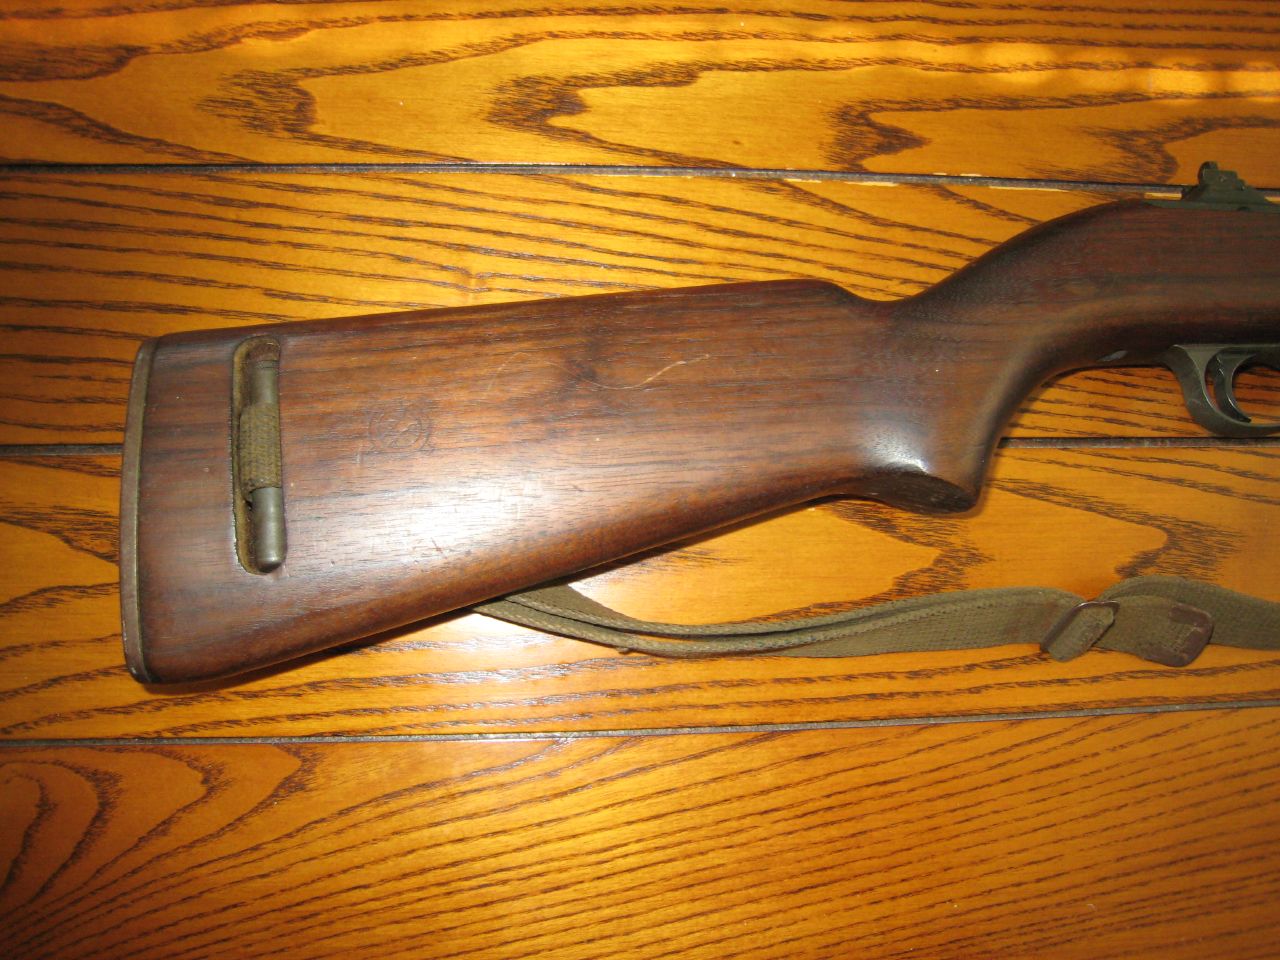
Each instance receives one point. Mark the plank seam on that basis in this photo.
(626, 733)
(577, 169)
(1092, 443)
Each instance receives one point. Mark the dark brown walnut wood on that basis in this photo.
(434, 459)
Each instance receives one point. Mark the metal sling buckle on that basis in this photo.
(1166, 632)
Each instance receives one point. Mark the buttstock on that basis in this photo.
(430, 460)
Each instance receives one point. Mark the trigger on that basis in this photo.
(1222, 371)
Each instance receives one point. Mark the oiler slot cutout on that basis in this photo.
(256, 476)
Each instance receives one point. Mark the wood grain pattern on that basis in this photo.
(1105, 836)
(1098, 515)
(92, 265)
(1109, 91)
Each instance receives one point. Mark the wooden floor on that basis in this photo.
(467, 788)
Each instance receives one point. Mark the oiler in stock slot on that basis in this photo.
(255, 462)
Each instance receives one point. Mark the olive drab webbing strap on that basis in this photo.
(1167, 620)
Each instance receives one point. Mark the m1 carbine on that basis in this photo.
(292, 487)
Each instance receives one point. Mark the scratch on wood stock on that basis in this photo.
(595, 383)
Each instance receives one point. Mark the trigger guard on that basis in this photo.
(1220, 362)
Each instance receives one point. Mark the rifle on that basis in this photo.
(291, 487)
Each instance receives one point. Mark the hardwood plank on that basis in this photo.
(93, 264)
(1134, 836)
(1076, 519)
(1111, 91)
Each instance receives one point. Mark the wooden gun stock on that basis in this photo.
(433, 459)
